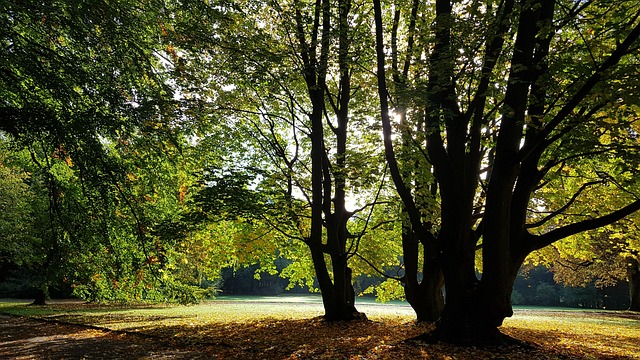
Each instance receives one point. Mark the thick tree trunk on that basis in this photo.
(633, 275)
(494, 297)
(343, 304)
(458, 269)
(475, 309)
(473, 318)
(457, 322)
(338, 295)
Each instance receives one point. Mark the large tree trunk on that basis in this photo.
(456, 323)
(633, 275)
(338, 295)
(494, 294)
(343, 306)
(473, 314)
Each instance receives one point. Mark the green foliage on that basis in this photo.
(16, 198)
(158, 142)
(546, 294)
(517, 298)
(388, 290)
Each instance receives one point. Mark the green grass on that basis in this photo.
(249, 308)
(225, 309)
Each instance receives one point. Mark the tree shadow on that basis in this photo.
(35, 339)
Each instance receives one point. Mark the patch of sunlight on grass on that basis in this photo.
(605, 332)
(608, 333)
(226, 309)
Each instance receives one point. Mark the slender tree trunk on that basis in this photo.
(42, 293)
(633, 275)
(338, 295)
(425, 296)
(324, 279)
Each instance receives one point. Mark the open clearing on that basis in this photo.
(289, 328)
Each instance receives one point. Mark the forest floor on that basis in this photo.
(224, 330)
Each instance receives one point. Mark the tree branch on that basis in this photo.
(565, 206)
(540, 241)
(376, 269)
(578, 97)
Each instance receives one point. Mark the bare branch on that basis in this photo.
(376, 268)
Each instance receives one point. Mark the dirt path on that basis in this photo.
(24, 338)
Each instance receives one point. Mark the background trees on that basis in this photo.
(604, 258)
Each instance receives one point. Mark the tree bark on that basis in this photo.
(425, 296)
(41, 296)
(633, 276)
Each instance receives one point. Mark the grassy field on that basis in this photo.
(288, 327)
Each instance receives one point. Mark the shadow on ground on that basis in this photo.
(23, 338)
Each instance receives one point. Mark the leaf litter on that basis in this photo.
(549, 335)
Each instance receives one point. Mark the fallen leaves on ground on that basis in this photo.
(551, 336)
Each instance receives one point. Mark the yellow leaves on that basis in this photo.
(388, 290)
(605, 139)
(163, 29)
(120, 214)
(68, 161)
(172, 51)
(182, 193)
(61, 154)
(578, 334)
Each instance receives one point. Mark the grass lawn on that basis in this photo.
(287, 327)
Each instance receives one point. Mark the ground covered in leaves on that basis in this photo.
(83, 331)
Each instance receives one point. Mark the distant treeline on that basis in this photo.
(535, 287)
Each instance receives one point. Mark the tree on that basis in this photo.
(295, 97)
(422, 284)
(509, 98)
(608, 254)
(85, 89)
